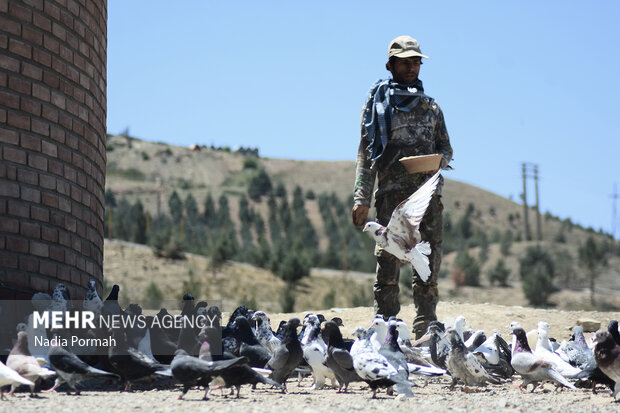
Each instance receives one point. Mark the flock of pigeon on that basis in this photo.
(382, 355)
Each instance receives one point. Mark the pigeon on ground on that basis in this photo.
(263, 331)
(373, 368)
(401, 237)
(578, 354)
(61, 298)
(395, 356)
(249, 347)
(92, 301)
(607, 354)
(414, 355)
(24, 364)
(338, 358)
(543, 351)
(162, 344)
(288, 354)
(192, 371)
(494, 355)
(439, 345)
(612, 327)
(110, 305)
(71, 369)
(315, 350)
(475, 340)
(464, 366)
(531, 367)
(380, 328)
(130, 364)
(10, 376)
(237, 375)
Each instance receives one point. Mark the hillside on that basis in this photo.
(151, 172)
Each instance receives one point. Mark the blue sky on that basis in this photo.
(518, 81)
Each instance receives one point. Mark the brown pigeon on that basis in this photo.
(24, 364)
(607, 355)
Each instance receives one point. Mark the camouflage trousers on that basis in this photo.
(425, 294)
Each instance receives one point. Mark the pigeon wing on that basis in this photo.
(408, 214)
(279, 358)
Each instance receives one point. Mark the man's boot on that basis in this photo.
(425, 298)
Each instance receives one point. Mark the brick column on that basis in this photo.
(52, 144)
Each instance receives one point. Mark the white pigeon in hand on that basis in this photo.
(401, 237)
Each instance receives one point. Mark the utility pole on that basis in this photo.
(538, 222)
(614, 198)
(526, 221)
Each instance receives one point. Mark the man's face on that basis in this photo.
(406, 69)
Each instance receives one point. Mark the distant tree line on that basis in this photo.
(284, 241)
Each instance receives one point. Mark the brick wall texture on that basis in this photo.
(52, 144)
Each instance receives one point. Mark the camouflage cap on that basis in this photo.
(405, 46)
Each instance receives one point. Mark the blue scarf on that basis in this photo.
(384, 96)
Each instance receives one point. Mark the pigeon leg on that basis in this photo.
(127, 386)
(53, 388)
(616, 389)
(238, 391)
(2, 396)
(453, 385)
(206, 396)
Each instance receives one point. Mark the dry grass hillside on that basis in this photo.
(151, 171)
(133, 267)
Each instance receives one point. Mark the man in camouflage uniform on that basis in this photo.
(399, 120)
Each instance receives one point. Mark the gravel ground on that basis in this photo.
(431, 394)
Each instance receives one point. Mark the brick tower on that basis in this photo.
(52, 144)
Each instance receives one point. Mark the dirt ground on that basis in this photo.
(429, 394)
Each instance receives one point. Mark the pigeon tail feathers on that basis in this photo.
(419, 259)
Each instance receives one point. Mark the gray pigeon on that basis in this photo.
(338, 359)
(192, 371)
(395, 356)
(263, 331)
(463, 364)
(132, 364)
(439, 345)
(401, 237)
(607, 354)
(71, 369)
(92, 301)
(532, 368)
(288, 354)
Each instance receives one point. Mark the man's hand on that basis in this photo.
(359, 215)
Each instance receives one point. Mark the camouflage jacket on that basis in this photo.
(419, 132)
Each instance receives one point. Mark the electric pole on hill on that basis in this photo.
(614, 198)
(526, 221)
(538, 222)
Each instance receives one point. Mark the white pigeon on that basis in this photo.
(401, 237)
(379, 326)
(375, 369)
(315, 350)
(543, 351)
(10, 376)
(488, 351)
